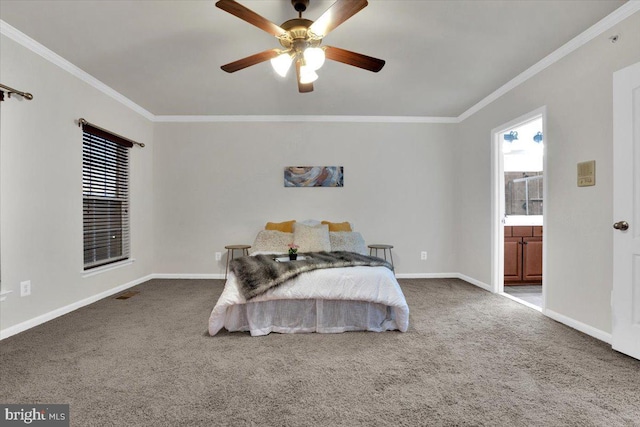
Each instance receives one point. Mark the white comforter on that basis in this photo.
(371, 284)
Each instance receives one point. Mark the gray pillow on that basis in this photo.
(272, 241)
(348, 241)
(311, 238)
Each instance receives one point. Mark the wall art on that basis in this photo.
(313, 176)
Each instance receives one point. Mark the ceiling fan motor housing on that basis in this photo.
(298, 37)
(300, 5)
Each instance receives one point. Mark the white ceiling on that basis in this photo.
(442, 57)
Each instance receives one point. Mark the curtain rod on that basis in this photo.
(82, 122)
(11, 90)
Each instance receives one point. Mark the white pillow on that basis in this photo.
(272, 241)
(311, 238)
(348, 241)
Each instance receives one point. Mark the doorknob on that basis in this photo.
(621, 225)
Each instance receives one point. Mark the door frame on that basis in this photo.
(498, 201)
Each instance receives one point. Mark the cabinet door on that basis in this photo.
(532, 259)
(512, 259)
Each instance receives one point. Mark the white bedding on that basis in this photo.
(324, 291)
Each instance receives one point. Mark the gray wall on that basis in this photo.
(577, 91)
(199, 186)
(41, 189)
(218, 183)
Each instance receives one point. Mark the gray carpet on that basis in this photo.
(469, 358)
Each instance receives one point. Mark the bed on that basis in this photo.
(324, 300)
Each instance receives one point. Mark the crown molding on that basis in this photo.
(301, 118)
(617, 16)
(580, 40)
(26, 41)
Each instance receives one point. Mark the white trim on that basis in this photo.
(31, 323)
(581, 39)
(427, 276)
(188, 276)
(475, 282)
(54, 58)
(572, 323)
(301, 118)
(595, 30)
(586, 329)
(108, 267)
(28, 324)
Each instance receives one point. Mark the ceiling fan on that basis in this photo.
(301, 40)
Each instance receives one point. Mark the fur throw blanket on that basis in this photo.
(257, 274)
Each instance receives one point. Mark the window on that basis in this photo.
(105, 196)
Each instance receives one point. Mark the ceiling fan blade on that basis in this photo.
(238, 65)
(302, 87)
(353, 58)
(339, 12)
(236, 9)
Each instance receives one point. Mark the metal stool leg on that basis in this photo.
(229, 255)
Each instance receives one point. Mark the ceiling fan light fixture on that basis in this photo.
(282, 63)
(307, 75)
(314, 57)
(301, 39)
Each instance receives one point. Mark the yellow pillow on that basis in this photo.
(285, 227)
(338, 226)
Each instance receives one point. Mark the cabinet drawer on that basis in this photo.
(537, 231)
(522, 231)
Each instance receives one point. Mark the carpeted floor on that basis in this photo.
(470, 358)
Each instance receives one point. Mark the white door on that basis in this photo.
(625, 302)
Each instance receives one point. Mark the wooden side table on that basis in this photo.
(231, 254)
(384, 249)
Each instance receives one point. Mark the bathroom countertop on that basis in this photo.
(523, 220)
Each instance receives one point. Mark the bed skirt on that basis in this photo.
(312, 315)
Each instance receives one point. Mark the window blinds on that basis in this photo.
(105, 197)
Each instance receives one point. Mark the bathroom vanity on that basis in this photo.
(522, 254)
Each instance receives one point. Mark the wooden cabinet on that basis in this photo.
(522, 255)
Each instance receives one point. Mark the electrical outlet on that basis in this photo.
(423, 255)
(218, 256)
(25, 288)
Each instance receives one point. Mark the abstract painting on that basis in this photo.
(313, 176)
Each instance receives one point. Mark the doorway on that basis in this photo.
(518, 211)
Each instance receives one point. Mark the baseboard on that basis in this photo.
(21, 327)
(572, 323)
(187, 276)
(584, 328)
(475, 282)
(28, 324)
(427, 276)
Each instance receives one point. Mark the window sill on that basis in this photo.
(115, 265)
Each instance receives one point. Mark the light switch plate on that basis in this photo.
(587, 173)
